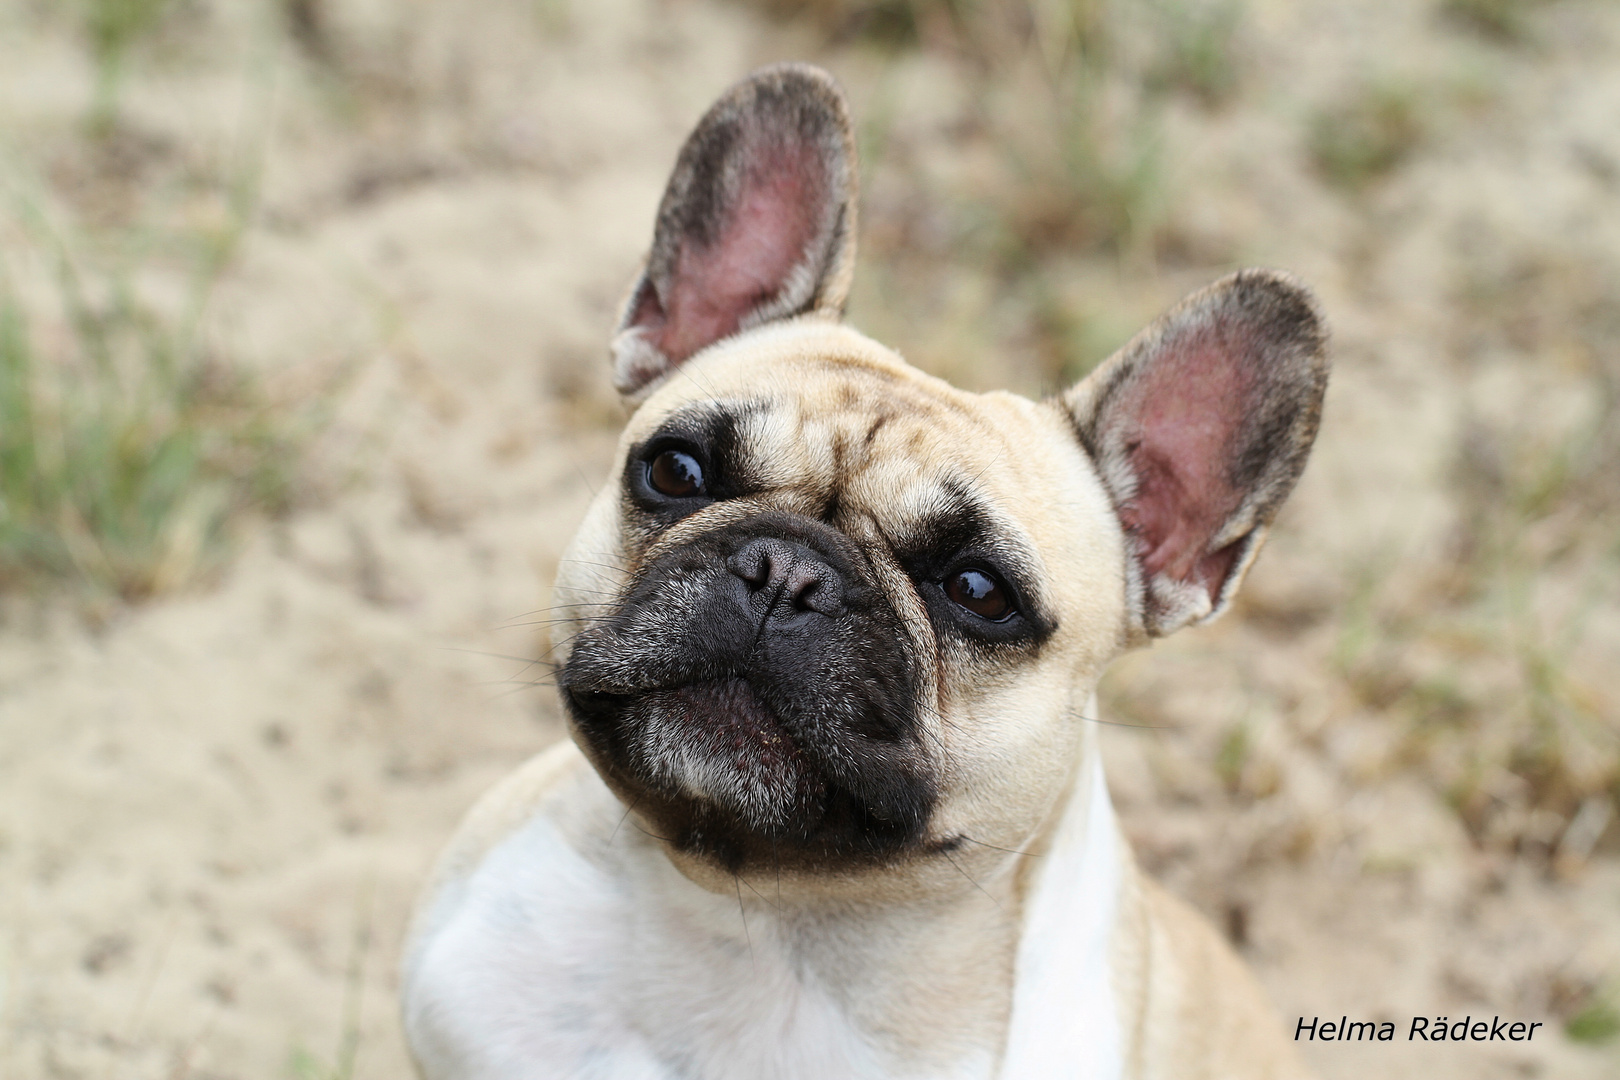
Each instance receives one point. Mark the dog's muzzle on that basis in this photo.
(755, 695)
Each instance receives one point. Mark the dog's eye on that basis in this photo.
(980, 593)
(676, 475)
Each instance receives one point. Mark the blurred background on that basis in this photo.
(303, 310)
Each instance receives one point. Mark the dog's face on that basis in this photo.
(835, 622)
(848, 614)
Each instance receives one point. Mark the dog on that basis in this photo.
(833, 805)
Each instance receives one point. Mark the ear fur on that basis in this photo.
(757, 223)
(1199, 428)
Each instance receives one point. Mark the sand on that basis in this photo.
(216, 806)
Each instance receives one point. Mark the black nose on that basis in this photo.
(780, 573)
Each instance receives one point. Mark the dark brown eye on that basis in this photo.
(979, 593)
(676, 475)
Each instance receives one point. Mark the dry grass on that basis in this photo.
(130, 449)
(124, 460)
(1520, 728)
(1507, 21)
(111, 30)
(1367, 135)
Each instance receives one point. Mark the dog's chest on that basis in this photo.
(542, 957)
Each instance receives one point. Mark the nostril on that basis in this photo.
(801, 585)
(794, 576)
(813, 586)
(754, 565)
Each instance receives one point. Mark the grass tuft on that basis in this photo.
(1505, 21)
(124, 455)
(305, 1065)
(1597, 1023)
(891, 24)
(1197, 50)
(1367, 136)
(129, 450)
(1089, 181)
(1488, 665)
(111, 29)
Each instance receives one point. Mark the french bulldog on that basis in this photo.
(833, 806)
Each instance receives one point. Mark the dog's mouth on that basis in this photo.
(749, 735)
(714, 742)
(716, 771)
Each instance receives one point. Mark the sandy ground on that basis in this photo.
(215, 808)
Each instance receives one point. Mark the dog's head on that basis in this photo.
(837, 620)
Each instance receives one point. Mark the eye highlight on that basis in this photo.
(675, 474)
(979, 592)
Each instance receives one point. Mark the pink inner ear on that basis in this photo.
(1186, 411)
(763, 236)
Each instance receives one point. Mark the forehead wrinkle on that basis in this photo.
(784, 450)
(926, 472)
(905, 391)
(894, 442)
(868, 403)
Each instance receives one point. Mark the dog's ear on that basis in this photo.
(1199, 428)
(757, 223)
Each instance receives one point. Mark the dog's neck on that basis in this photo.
(581, 945)
(853, 990)
(849, 991)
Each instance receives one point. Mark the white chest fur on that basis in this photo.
(544, 962)
(551, 965)
(1065, 1023)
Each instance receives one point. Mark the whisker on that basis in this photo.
(587, 480)
(553, 607)
(777, 860)
(517, 690)
(737, 881)
(492, 655)
(998, 847)
(1124, 723)
(637, 826)
(519, 684)
(571, 604)
(757, 893)
(970, 881)
(692, 377)
(633, 804)
(555, 645)
(592, 562)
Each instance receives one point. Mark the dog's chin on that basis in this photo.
(717, 744)
(715, 774)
